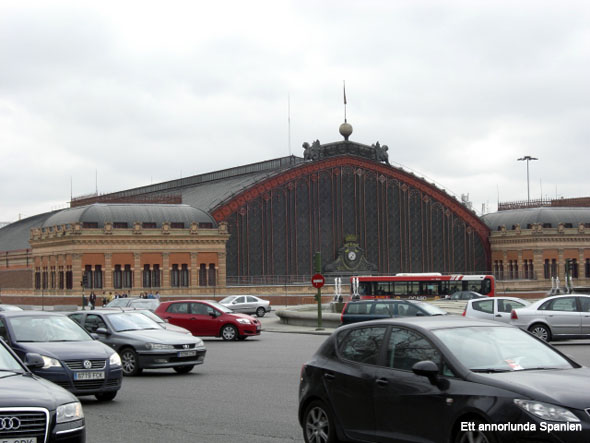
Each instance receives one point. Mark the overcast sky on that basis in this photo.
(122, 94)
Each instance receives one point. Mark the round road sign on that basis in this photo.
(318, 280)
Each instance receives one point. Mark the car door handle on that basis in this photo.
(329, 376)
(382, 381)
(498, 315)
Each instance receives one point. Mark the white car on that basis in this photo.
(493, 308)
(559, 316)
(246, 304)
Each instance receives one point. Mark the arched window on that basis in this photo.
(88, 276)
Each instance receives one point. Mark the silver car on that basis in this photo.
(493, 308)
(559, 316)
(247, 304)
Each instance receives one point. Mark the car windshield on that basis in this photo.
(8, 363)
(499, 349)
(118, 302)
(9, 308)
(131, 321)
(219, 307)
(145, 304)
(151, 315)
(430, 308)
(229, 299)
(47, 329)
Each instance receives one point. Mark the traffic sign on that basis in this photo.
(318, 280)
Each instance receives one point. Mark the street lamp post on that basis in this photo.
(527, 158)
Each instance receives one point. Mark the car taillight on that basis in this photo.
(464, 311)
(343, 311)
(513, 315)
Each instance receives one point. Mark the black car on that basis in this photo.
(33, 409)
(72, 358)
(442, 379)
(364, 310)
(141, 342)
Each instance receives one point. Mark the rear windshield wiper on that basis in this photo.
(490, 370)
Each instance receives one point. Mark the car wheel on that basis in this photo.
(318, 426)
(475, 436)
(130, 362)
(229, 332)
(260, 312)
(184, 369)
(106, 396)
(540, 331)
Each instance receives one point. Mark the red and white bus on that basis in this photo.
(420, 286)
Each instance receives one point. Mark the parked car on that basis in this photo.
(377, 381)
(559, 316)
(134, 302)
(465, 295)
(209, 319)
(247, 304)
(141, 342)
(4, 307)
(363, 310)
(72, 358)
(32, 409)
(493, 308)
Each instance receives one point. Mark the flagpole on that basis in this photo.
(344, 89)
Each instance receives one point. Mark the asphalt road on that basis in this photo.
(244, 392)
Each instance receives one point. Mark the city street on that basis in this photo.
(244, 392)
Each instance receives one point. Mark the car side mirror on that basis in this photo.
(34, 361)
(94, 335)
(102, 331)
(213, 314)
(428, 369)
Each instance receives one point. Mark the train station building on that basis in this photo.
(261, 223)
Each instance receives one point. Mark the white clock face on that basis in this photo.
(352, 255)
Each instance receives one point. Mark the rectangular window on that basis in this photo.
(177, 225)
(184, 276)
(203, 274)
(120, 225)
(91, 225)
(174, 276)
(87, 281)
(127, 277)
(147, 276)
(212, 275)
(156, 276)
(69, 278)
(98, 276)
(553, 268)
(118, 277)
(148, 225)
(38, 278)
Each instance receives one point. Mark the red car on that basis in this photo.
(209, 318)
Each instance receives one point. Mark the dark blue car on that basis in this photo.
(72, 358)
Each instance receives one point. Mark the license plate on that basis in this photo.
(187, 353)
(89, 375)
(20, 440)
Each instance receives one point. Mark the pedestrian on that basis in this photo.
(92, 300)
(157, 296)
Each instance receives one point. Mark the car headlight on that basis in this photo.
(244, 321)
(546, 411)
(50, 362)
(198, 343)
(69, 412)
(158, 346)
(115, 359)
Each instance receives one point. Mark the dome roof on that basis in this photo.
(544, 216)
(101, 213)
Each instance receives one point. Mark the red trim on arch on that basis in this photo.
(221, 212)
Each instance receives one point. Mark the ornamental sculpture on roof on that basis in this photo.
(317, 151)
